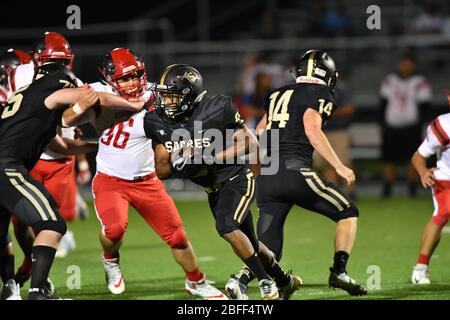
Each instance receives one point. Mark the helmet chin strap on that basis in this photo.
(305, 79)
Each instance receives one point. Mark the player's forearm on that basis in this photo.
(111, 101)
(321, 144)
(71, 147)
(71, 118)
(419, 163)
(245, 142)
(163, 170)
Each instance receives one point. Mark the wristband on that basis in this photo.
(76, 108)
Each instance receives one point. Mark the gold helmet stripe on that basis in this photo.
(311, 63)
(168, 69)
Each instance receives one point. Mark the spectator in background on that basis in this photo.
(404, 97)
(336, 20)
(253, 103)
(429, 21)
(337, 132)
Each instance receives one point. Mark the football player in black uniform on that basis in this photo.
(28, 123)
(298, 113)
(189, 134)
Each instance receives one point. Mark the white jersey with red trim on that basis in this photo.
(438, 142)
(124, 151)
(403, 97)
(23, 76)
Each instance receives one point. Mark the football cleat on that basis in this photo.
(11, 291)
(235, 289)
(66, 245)
(204, 289)
(113, 275)
(420, 274)
(268, 289)
(344, 282)
(294, 284)
(41, 294)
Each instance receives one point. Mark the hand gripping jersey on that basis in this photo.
(438, 142)
(124, 151)
(285, 108)
(212, 117)
(26, 125)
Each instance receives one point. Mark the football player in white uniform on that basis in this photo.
(438, 179)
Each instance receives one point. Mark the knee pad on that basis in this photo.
(115, 231)
(57, 226)
(440, 220)
(178, 239)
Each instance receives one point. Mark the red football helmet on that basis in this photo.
(125, 72)
(54, 48)
(9, 61)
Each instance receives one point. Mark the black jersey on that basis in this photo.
(217, 113)
(26, 125)
(285, 108)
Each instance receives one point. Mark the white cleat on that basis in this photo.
(11, 291)
(268, 289)
(113, 275)
(66, 245)
(204, 289)
(420, 274)
(236, 290)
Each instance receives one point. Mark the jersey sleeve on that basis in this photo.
(437, 138)
(232, 118)
(386, 86)
(423, 90)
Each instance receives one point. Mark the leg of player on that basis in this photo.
(111, 207)
(430, 239)
(411, 175)
(111, 262)
(11, 290)
(163, 217)
(25, 237)
(244, 249)
(343, 244)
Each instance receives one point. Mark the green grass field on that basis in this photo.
(388, 236)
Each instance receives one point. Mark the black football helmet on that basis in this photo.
(184, 85)
(54, 67)
(317, 64)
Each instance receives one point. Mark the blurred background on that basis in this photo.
(245, 48)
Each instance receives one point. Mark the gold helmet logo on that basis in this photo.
(192, 77)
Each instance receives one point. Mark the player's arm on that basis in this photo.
(245, 142)
(162, 162)
(71, 147)
(426, 174)
(312, 121)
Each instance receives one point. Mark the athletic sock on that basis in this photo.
(424, 259)
(255, 265)
(25, 268)
(340, 261)
(42, 258)
(107, 256)
(6, 267)
(387, 190)
(245, 276)
(280, 277)
(195, 275)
